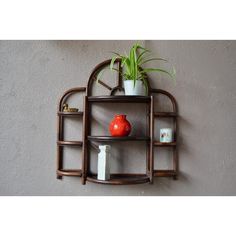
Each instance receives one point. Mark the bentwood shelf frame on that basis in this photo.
(88, 141)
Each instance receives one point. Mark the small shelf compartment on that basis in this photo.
(121, 179)
(120, 99)
(113, 139)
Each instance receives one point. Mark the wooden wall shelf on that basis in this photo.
(89, 141)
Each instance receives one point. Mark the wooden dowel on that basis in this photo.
(151, 138)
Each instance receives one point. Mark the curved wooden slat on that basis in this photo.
(67, 94)
(117, 88)
(69, 172)
(120, 98)
(165, 114)
(121, 179)
(170, 96)
(94, 72)
(165, 173)
(70, 143)
(61, 113)
(164, 144)
(112, 139)
(104, 85)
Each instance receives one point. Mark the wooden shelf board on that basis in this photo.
(112, 139)
(69, 172)
(61, 113)
(70, 143)
(165, 173)
(121, 179)
(120, 99)
(165, 114)
(157, 143)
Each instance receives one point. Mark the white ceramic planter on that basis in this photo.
(137, 90)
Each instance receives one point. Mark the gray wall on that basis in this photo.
(34, 74)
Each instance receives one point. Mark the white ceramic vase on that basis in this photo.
(104, 162)
(137, 90)
(166, 135)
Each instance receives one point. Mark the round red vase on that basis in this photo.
(119, 126)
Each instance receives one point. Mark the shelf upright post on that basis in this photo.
(85, 142)
(148, 134)
(151, 139)
(175, 151)
(60, 136)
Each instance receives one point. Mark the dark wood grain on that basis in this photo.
(70, 143)
(120, 139)
(86, 122)
(121, 179)
(165, 173)
(61, 113)
(165, 114)
(70, 172)
(120, 99)
(152, 138)
(157, 143)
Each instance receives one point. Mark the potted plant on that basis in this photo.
(133, 73)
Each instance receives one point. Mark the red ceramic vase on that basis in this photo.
(119, 126)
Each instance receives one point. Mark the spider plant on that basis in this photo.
(132, 64)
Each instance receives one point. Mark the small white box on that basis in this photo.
(104, 162)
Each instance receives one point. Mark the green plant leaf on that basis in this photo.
(123, 61)
(118, 71)
(132, 62)
(141, 56)
(145, 85)
(153, 59)
(142, 48)
(113, 61)
(157, 70)
(117, 54)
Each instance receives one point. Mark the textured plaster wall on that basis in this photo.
(34, 74)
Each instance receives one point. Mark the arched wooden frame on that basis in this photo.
(88, 100)
(93, 78)
(174, 115)
(60, 134)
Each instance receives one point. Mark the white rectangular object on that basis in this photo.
(104, 162)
